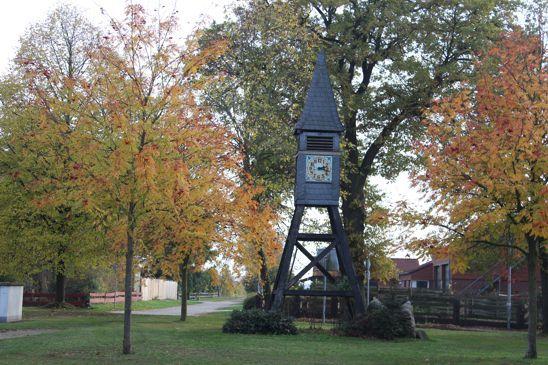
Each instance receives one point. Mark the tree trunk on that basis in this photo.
(265, 280)
(354, 225)
(183, 275)
(353, 196)
(128, 290)
(60, 286)
(532, 260)
(544, 283)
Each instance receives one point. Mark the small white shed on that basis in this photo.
(11, 302)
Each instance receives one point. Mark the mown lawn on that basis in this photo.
(89, 337)
(140, 305)
(152, 304)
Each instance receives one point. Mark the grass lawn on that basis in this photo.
(152, 304)
(91, 337)
(140, 305)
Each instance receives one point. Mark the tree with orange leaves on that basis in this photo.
(137, 128)
(486, 160)
(258, 244)
(196, 215)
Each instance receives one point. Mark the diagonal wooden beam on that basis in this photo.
(311, 258)
(313, 263)
(320, 237)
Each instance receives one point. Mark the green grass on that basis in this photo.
(152, 304)
(140, 305)
(90, 337)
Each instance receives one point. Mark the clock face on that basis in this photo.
(319, 168)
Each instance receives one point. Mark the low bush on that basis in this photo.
(254, 302)
(259, 321)
(387, 322)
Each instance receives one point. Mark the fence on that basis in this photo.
(197, 296)
(432, 306)
(42, 299)
(158, 289)
(429, 306)
(113, 297)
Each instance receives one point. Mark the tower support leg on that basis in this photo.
(343, 255)
(283, 269)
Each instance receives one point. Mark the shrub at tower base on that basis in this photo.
(386, 322)
(259, 321)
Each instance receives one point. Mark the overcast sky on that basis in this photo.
(17, 15)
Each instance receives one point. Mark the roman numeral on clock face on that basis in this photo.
(319, 168)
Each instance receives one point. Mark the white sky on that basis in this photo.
(17, 15)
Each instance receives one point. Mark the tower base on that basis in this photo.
(337, 240)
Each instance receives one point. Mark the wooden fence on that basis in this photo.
(41, 299)
(433, 306)
(112, 297)
(82, 300)
(429, 306)
(203, 295)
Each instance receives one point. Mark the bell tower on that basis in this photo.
(317, 184)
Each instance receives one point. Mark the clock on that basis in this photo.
(319, 168)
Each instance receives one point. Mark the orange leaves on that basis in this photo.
(485, 152)
(255, 228)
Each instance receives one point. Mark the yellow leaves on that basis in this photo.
(200, 56)
(483, 150)
(378, 217)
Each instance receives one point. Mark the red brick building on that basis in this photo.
(420, 277)
(437, 274)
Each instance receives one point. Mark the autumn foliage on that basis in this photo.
(111, 154)
(486, 160)
(485, 153)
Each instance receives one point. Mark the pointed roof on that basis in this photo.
(320, 111)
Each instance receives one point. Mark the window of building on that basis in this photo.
(422, 283)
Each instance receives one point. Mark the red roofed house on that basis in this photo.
(420, 277)
(402, 265)
(436, 274)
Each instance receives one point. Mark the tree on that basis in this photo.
(37, 159)
(535, 23)
(133, 132)
(388, 59)
(257, 244)
(253, 97)
(486, 161)
(255, 101)
(193, 222)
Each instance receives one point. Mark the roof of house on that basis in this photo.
(420, 267)
(406, 265)
(320, 110)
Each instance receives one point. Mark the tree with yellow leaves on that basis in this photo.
(135, 131)
(43, 224)
(486, 161)
(195, 217)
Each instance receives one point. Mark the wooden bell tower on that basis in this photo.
(317, 184)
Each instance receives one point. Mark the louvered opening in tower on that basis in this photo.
(315, 143)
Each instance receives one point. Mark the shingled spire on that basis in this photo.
(320, 111)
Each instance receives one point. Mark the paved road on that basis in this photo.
(193, 310)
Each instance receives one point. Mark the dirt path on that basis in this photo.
(193, 310)
(21, 333)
